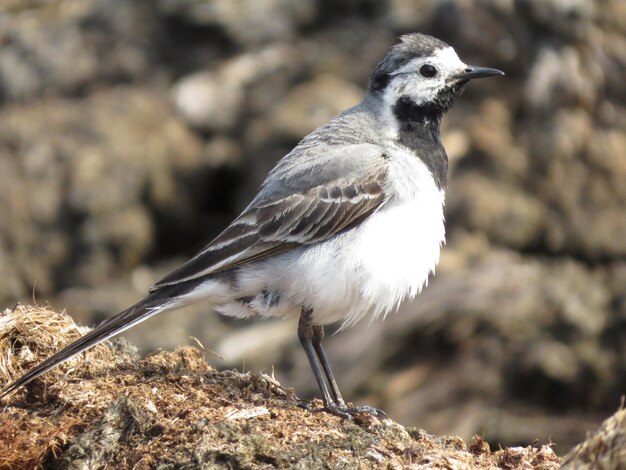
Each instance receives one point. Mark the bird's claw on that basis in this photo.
(344, 411)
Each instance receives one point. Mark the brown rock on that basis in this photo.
(81, 179)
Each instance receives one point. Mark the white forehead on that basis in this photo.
(445, 60)
(448, 56)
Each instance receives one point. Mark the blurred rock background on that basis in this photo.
(132, 132)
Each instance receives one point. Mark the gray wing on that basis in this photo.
(299, 204)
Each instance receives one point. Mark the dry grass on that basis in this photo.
(171, 409)
(604, 449)
(33, 429)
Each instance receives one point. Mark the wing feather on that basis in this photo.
(276, 224)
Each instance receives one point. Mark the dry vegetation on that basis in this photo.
(109, 407)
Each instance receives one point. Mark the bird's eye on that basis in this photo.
(428, 71)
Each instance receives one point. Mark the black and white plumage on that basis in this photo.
(346, 226)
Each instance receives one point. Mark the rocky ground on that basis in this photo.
(131, 132)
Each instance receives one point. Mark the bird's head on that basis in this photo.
(421, 76)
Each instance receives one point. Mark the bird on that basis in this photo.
(346, 226)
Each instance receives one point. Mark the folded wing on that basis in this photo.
(275, 223)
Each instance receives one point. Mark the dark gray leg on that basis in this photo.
(318, 335)
(305, 335)
(311, 339)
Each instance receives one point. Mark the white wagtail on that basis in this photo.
(347, 225)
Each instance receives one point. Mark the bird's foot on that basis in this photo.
(344, 411)
(348, 412)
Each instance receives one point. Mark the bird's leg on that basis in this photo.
(318, 335)
(311, 339)
(305, 335)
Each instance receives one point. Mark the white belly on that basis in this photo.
(395, 253)
(365, 272)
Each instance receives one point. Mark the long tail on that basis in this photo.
(157, 302)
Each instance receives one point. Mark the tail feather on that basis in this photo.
(148, 307)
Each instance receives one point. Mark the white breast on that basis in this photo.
(398, 247)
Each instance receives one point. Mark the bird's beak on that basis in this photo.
(471, 72)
